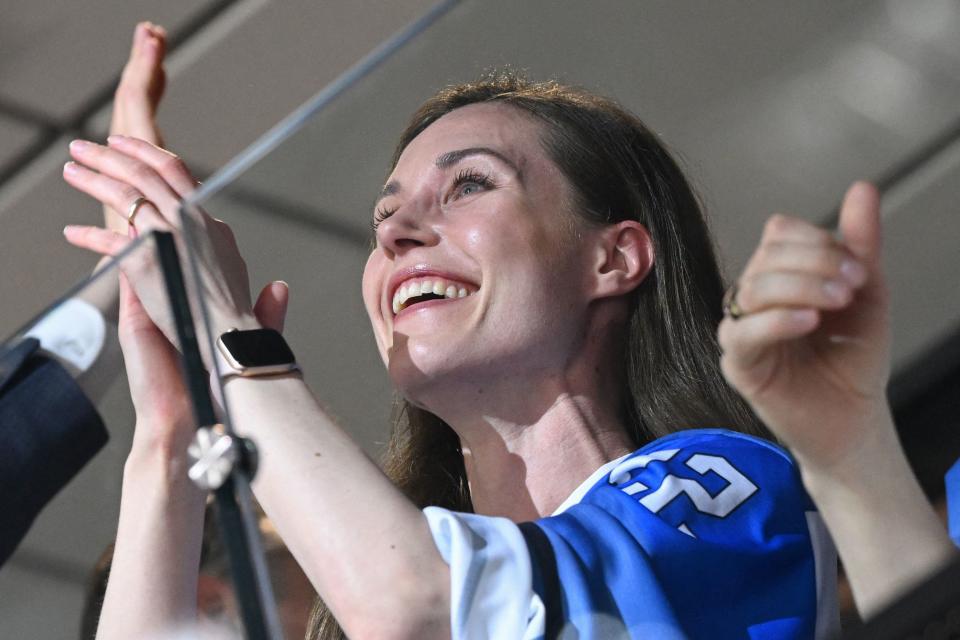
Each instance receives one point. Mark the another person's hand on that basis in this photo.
(159, 396)
(165, 420)
(811, 350)
(129, 169)
(137, 97)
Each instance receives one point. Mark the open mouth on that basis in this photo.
(419, 290)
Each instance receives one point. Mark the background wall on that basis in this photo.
(773, 106)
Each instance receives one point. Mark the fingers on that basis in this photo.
(780, 227)
(117, 195)
(136, 168)
(128, 169)
(137, 96)
(799, 265)
(166, 164)
(829, 261)
(860, 225)
(133, 317)
(102, 241)
(141, 84)
(271, 306)
(746, 342)
(774, 288)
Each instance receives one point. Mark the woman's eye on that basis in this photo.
(469, 182)
(381, 214)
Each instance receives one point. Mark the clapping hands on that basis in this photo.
(134, 167)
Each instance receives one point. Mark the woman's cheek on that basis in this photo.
(374, 275)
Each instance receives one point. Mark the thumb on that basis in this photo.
(132, 315)
(271, 306)
(860, 224)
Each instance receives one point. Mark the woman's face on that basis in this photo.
(477, 274)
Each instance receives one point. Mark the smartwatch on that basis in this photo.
(252, 353)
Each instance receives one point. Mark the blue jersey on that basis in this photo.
(701, 534)
(952, 482)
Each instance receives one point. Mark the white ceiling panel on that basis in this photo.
(269, 59)
(55, 56)
(922, 256)
(778, 118)
(15, 138)
(38, 264)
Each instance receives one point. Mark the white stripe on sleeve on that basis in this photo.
(491, 583)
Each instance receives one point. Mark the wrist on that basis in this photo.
(862, 470)
(841, 446)
(161, 443)
(223, 322)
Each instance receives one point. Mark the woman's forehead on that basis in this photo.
(506, 129)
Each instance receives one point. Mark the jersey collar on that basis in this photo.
(587, 484)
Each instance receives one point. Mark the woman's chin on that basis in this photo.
(411, 378)
(424, 378)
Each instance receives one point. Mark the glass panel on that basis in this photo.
(52, 401)
(62, 400)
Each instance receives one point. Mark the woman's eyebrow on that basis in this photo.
(450, 158)
(389, 189)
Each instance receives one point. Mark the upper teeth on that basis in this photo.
(436, 286)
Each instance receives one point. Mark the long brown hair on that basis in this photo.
(619, 170)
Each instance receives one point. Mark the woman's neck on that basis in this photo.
(534, 429)
(530, 447)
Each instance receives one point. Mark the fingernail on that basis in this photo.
(283, 283)
(115, 138)
(70, 227)
(79, 145)
(853, 272)
(836, 291)
(70, 167)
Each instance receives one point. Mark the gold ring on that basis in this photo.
(731, 307)
(135, 207)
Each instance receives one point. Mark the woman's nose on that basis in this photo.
(407, 228)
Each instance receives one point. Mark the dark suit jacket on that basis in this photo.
(48, 431)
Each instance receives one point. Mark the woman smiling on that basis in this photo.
(568, 460)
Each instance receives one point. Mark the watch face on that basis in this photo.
(257, 348)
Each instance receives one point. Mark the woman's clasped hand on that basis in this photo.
(129, 171)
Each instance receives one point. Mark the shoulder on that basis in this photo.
(694, 521)
(718, 440)
(706, 483)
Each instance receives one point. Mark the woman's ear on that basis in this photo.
(624, 258)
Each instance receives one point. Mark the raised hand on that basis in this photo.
(137, 98)
(811, 351)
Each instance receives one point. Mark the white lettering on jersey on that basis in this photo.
(738, 488)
